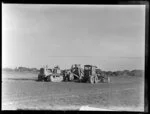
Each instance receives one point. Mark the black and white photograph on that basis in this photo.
(73, 57)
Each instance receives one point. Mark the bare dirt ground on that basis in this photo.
(21, 91)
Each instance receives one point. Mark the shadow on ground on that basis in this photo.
(23, 79)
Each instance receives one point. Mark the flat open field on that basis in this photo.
(22, 91)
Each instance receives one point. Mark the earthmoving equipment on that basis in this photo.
(91, 75)
(88, 74)
(53, 75)
(44, 72)
(68, 75)
(75, 73)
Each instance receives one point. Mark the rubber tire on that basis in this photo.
(92, 79)
(48, 78)
(96, 79)
(52, 78)
(71, 77)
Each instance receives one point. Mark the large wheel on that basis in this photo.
(96, 79)
(48, 78)
(52, 78)
(71, 77)
(92, 79)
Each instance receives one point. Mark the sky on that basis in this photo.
(111, 37)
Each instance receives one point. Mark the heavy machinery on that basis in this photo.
(68, 76)
(53, 75)
(74, 74)
(91, 75)
(88, 74)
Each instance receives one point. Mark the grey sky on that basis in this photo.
(111, 37)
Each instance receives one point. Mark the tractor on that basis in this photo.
(53, 75)
(88, 74)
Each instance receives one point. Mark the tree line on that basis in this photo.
(21, 69)
(123, 72)
(109, 73)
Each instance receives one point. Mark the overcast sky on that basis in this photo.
(111, 37)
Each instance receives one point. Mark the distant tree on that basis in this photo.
(114, 73)
(126, 73)
(98, 71)
(7, 69)
(137, 72)
(118, 73)
(109, 73)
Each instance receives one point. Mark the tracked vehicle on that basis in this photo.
(50, 75)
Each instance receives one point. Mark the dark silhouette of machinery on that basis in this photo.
(53, 75)
(88, 74)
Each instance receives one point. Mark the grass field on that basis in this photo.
(22, 91)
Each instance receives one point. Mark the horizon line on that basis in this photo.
(57, 56)
(69, 68)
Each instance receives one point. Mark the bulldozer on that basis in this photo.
(88, 74)
(50, 75)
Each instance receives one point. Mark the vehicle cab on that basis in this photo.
(89, 70)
